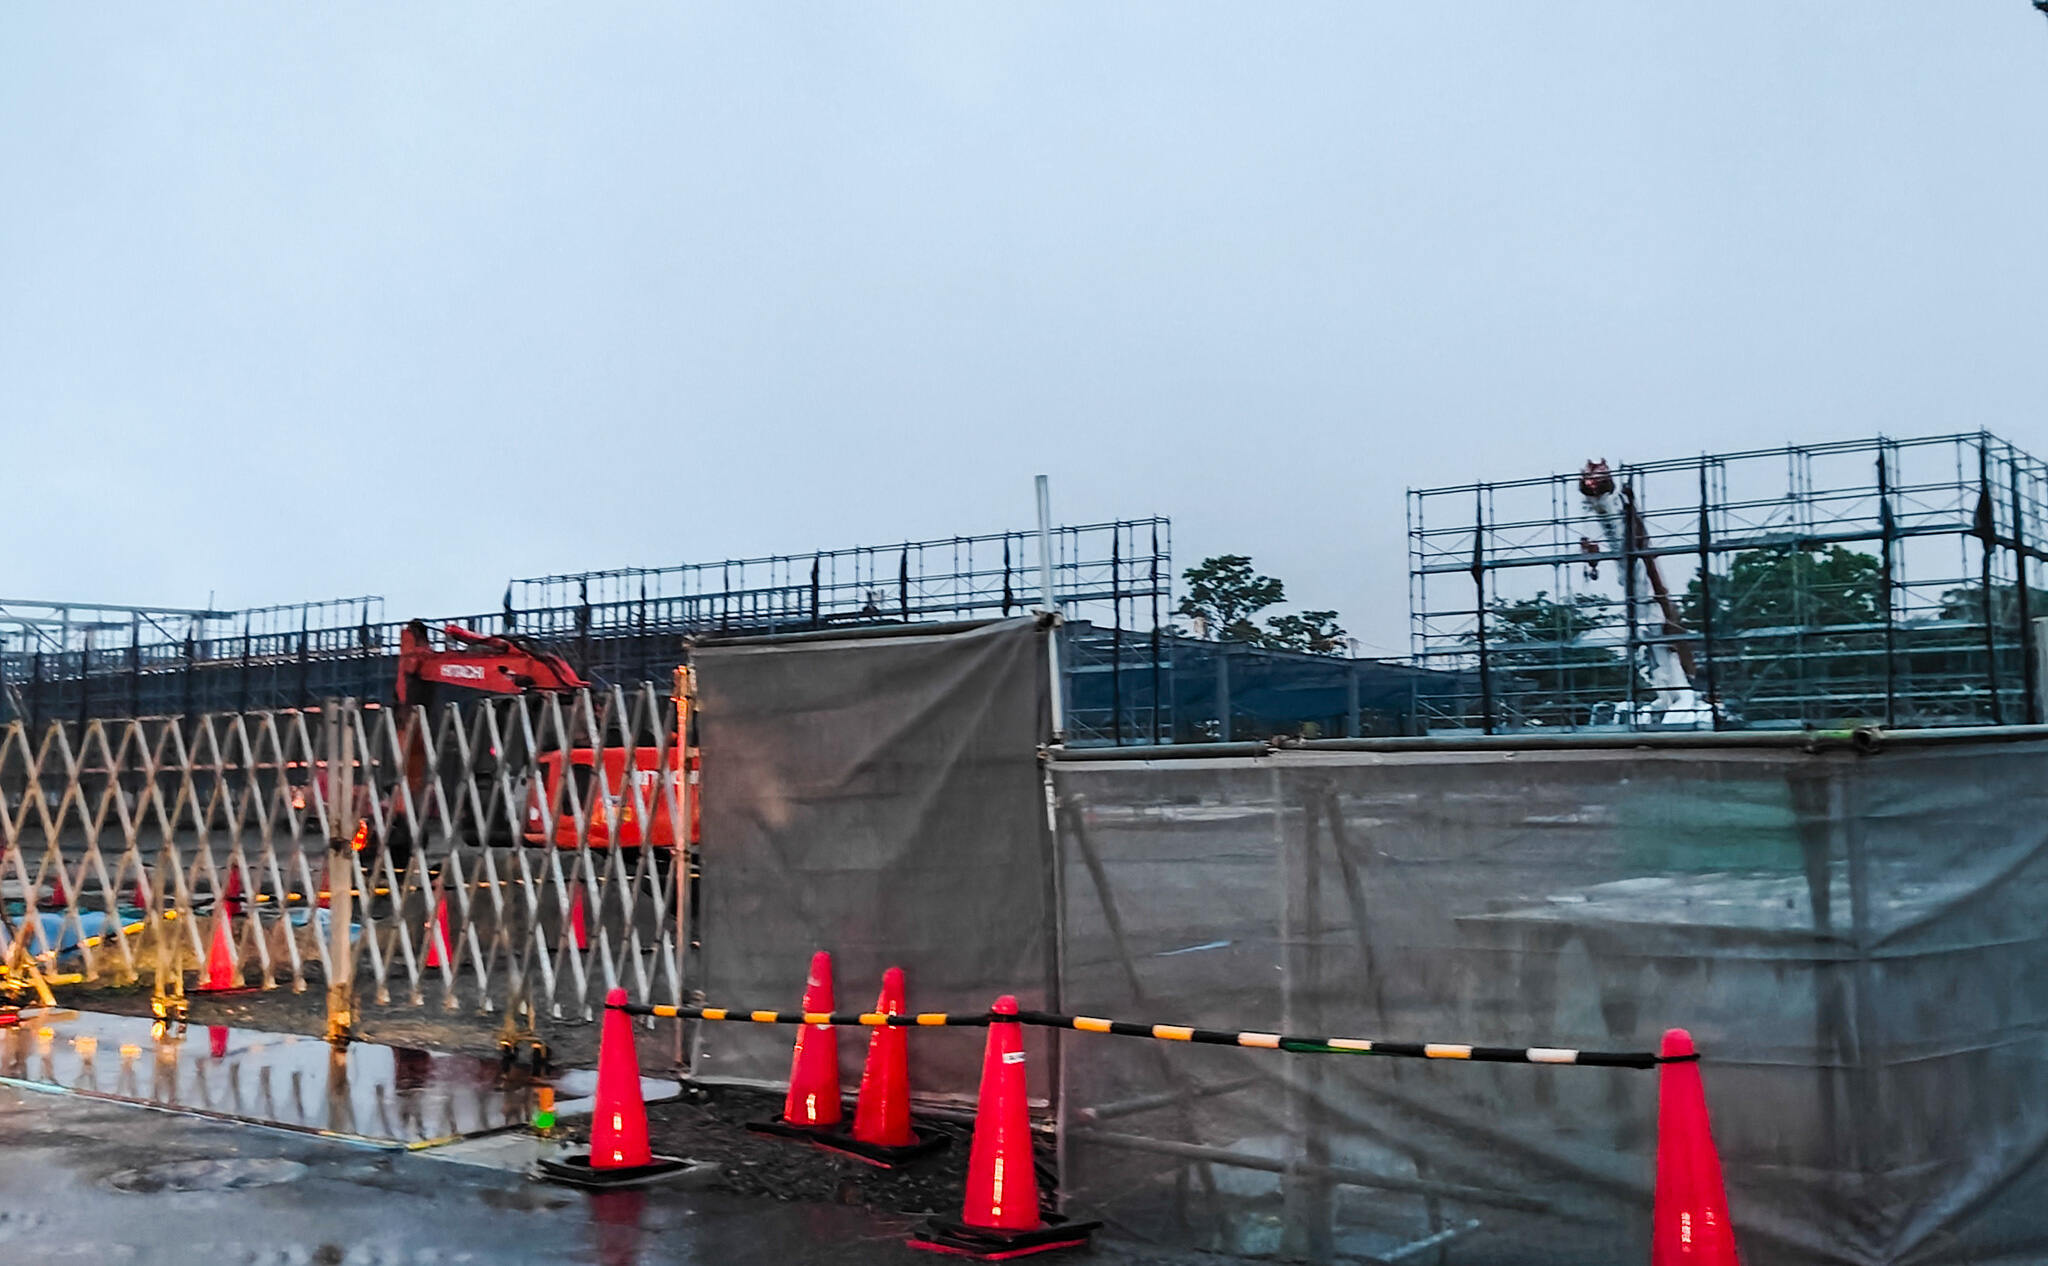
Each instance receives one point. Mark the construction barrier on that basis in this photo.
(1180, 1033)
(1001, 1215)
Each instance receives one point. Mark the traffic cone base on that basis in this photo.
(881, 1156)
(576, 1170)
(989, 1244)
(791, 1129)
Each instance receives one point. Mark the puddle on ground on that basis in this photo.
(205, 1175)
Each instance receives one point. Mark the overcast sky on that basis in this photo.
(303, 301)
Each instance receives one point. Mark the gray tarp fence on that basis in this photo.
(880, 798)
(1856, 941)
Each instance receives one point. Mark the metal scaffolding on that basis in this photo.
(1875, 580)
(75, 661)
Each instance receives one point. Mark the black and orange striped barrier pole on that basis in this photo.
(1300, 1045)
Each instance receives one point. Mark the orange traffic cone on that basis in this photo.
(1001, 1217)
(439, 952)
(1689, 1217)
(577, 932)
(812, 1105)
(619, 1154)
(220, 959)
(881, 1117)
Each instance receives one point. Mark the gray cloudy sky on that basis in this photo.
(299, 301)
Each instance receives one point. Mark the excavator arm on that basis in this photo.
(476, 661)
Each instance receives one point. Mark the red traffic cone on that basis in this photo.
(141, 891)
(812, 1104)
(220, 959)
(1689, 1218)
(619, 1154)
(231, 898)
(577, 932)
(881, 1117)
(217, 1040)
(57, 897)
(439, 952)
(1001, 1217)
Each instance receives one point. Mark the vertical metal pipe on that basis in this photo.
(1987, 536)
(1707, 602)
(2023, 596)
(1887, 528)
(1153, 576)
(338, 733)
(1479, 606)
(1222, 692)
(1628, 595)
(1116, 636)
(1050, 606)
(85, 681)
(1351, 701)
(135, 665)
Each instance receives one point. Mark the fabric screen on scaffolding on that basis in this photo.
(880, 798)
(1857, 943)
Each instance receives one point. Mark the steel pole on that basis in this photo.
(1048, 605)
(336, 721)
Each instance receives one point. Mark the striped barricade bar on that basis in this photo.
(1553, 1055)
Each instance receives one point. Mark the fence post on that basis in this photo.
(337, 718)
(2041, 666)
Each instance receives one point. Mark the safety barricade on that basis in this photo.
(1001, 1215)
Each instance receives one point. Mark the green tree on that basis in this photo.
(1792, 587)
(1796, 633)
(1555, 674)
(1314, 631)
(1226, 595)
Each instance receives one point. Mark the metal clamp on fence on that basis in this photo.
(1184, 1033)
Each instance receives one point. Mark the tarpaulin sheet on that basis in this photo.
(880, 798)
(1859, 943)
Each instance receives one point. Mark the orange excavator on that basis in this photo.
(482, 662)
(469, 662)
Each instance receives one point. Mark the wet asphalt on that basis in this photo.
(90, 1181)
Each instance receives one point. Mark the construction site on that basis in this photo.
(621, 891)
(1653, 763)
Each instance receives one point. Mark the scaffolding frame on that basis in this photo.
(76, 661)
(1876, 580)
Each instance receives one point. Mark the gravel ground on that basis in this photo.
(709, 1123)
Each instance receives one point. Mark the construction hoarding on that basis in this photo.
(1856, 941)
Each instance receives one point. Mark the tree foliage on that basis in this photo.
(1552, 674)
(1226, 596)
(1795, 632)
(1792, 588)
